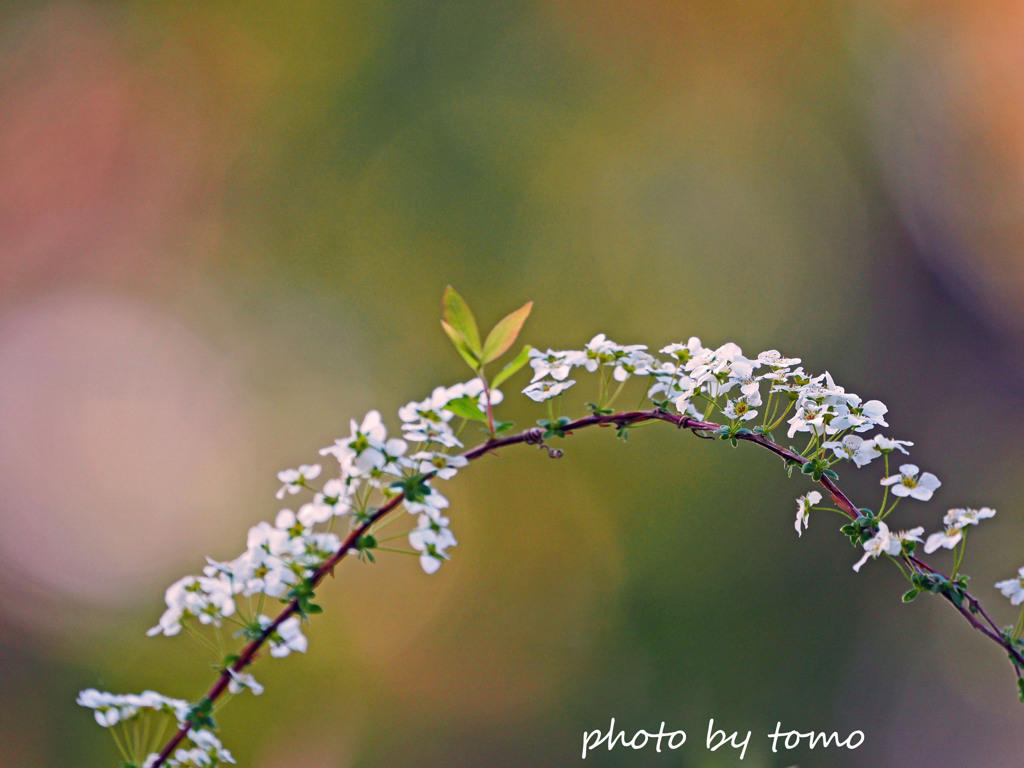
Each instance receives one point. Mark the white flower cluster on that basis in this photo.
(700, 381)
(886, 542)
(280, 556)
(112, 709)
(205, 753)
(956, 520)
(429, 421)
(551, 369)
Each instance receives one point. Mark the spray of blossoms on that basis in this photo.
(370, 477)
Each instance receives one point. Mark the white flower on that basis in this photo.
(431, 538)
(286, 638)
(287, 521)
(1013, 588)
(557, 365)
(780, 380)
(293, 479)
(265, 565)
(881, 542)
(887, 542)
(803, 510)
(684, 352)
(545, 390)
(811, 417)
(885, 445)
(860, 417)
(241, 681)
(726, 361)
(971, 516)
(443, 465)
(771, 357)
(911, 482)
(601, 351)
(367, 448)
(750, 385)
(853, 447)
(914, 534)
(431, 505)
(208, 750)
(633, 363)
(431, 432)
(947, 539)
(274, 541)
(742, 407)
(104, 705)
(317, 512)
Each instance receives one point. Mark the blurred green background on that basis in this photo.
(225, 229)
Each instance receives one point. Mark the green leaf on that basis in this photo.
(909, 596)
(466, 407)
(414, 487)
(458, 316)
(504, 333)
(200, 715)
(462, 346)
(513, 366)
(554, 429)
(1020, 685)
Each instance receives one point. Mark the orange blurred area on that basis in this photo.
(225, 231)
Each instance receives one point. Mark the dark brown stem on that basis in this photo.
(533, 436)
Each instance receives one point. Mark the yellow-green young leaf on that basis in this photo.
(460, 344)
(505, 332)
(466, 407)
(514, 365)
(458, 316)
